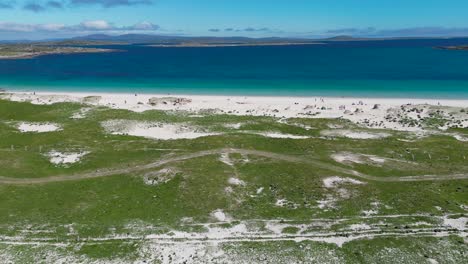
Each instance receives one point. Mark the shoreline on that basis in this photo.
(272, 98)
(205, 45)
(327, 89)
(400, 114)
(31, 55)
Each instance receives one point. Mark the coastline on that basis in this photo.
(30, 55)
(263, 98)
(207, 45)
(384, 113)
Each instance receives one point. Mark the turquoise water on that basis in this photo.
(409, 68)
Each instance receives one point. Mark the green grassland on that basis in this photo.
(65, 219)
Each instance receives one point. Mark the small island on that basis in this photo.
(26, 51)
(210, 45)
(462, 47)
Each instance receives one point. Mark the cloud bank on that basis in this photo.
(83, 27)
(43, 5)
(111, 3)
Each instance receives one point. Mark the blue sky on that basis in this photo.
(36, 19)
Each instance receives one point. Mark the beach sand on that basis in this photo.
(369, 112)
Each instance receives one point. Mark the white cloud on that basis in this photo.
(17, 27)
(145, 25)
(50, 27)
(96, 25)
(83, 27)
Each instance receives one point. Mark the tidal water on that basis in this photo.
(391, 68)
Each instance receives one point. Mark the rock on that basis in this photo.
(92, 99)
(376, 106)
(168, 100)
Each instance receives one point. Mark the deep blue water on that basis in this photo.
(392, 68)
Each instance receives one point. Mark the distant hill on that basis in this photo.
(348, 38)
(167, 40)
(162, 39)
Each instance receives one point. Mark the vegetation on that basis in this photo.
(91, 215)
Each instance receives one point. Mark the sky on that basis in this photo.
(48, 19)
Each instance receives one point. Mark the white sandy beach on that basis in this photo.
(370, 112)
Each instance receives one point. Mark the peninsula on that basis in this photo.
(462, 47)
(26, 51)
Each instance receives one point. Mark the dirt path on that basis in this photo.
(200, 238)
(277, 156)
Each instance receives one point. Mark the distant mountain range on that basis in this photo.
(162, 39)
(193, 41)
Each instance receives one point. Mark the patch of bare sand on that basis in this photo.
(155, 130)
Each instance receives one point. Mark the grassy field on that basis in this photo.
(265, 200)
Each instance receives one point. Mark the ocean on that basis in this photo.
(390, 68)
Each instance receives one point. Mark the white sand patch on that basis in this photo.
(374, 209)
(332, 182)
(219, 215)
(339, 241)
(38, 127)
(457, 223)
(168, 253)
(348, 157)
(281, 202)
(327, 203)
(370, 212)
(233, 125)
(260, 190)
(354, 134)
(280, 135)
(236, 181)
(221, 232)
(343, 193)
(158, 177)
(377, 159)
(358, 227)
(81, 113)
(460, 137)
(339, 193)
(287, 122)
(224, 158)
(366, 135)
(276, 228)
(285, 203)
(154, 130)
(59, 158)
(228, 190)
(42, 98)
(420, 223)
